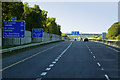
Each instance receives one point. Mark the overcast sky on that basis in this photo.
(86, 17)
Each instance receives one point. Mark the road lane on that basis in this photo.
(70, 59)
(107, 57)
(77, 62)
(32, 68)
(25, 54)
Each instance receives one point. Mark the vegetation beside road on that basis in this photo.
(114, 31)
(34, 17)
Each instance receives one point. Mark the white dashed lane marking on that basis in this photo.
(39, 79)
(102, 69)
(59, 56)
(56, 59)
(53, 62)
(87, 47)
(89, 50)
(94, 57)
(107, 77)
(43, 73)
(47, 69)
(98, 64)
(51, 65)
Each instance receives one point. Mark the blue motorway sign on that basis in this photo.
(14, 29)
(13, 18)
(75, 33)
(37, 33)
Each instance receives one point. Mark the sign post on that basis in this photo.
(37, 33)
(75, 33)
(104, 35)
(13, 18)
(14, 29)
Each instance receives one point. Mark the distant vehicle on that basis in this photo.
(81, 39)
(86, 39)
(75, 39)
(95, 37)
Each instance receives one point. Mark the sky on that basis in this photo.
(85, 17)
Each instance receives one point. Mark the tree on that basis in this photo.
(64, 36)
(12, 9)
(26, 16)
(32, 16)
(59, 29)
(53, 27)
(44, 19)
(0, 13)
(118, 37)
(100, 37)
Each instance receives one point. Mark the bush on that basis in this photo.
(118, 37)
(114, 31)
(100, 37)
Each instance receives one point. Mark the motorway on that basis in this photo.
(72, 60)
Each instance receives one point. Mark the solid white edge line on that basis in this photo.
(107, 77)
(113, 49)
(65, 50)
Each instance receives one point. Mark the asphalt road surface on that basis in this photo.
(72, 60)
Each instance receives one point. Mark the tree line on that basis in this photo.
(34, 17)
